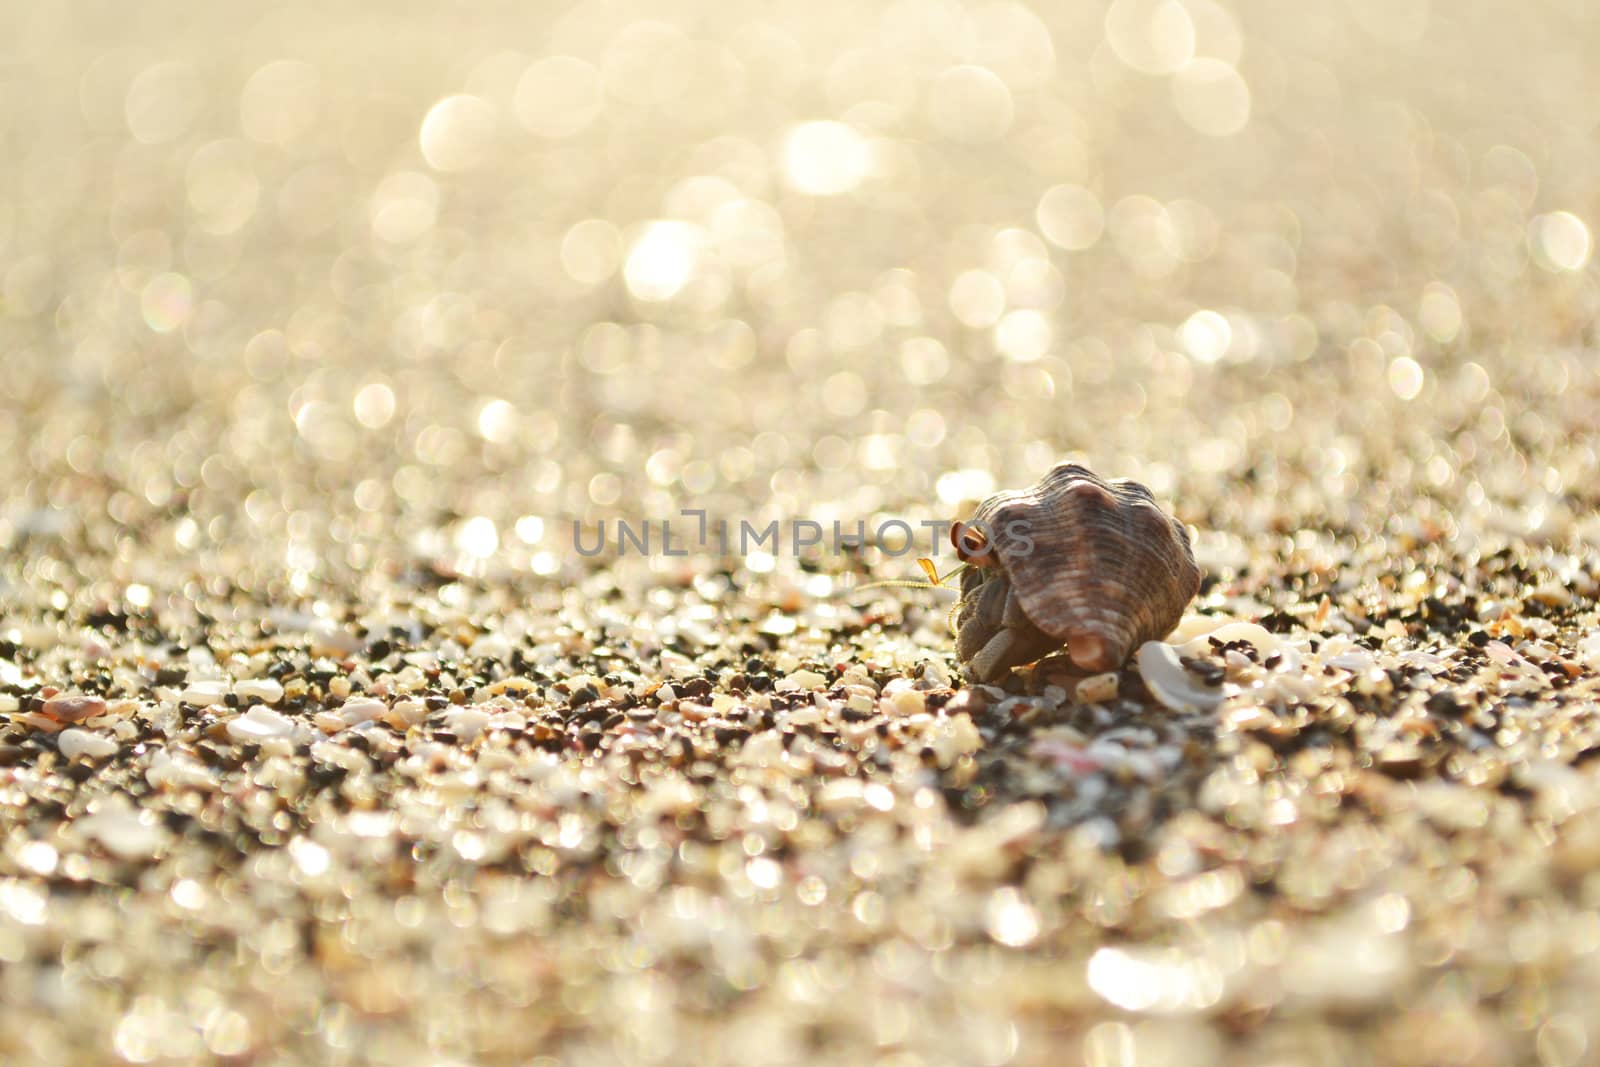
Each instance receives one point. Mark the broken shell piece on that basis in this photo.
(358, 710)
(1261, 637)
(204, 692)
(1169, 682)
(259, 724)
(1195, 625)
(1098, 688)
(1265, 641)
(1194, 636)
(266, 690)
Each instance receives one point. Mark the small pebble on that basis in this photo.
(266, 690)
(258, 724)
(203, 692)
(1098, 688)
(971, 700)
(908, 702)
(74, 708)
(1552, 594)
(124, 833)
(406, 714)
(73, 742)
(360, 710)
(800, 680)
(466, 723)
(845, 794)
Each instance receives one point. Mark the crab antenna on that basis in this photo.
(934, 580)
(900, 583)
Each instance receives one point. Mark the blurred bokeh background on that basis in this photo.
(322, 276)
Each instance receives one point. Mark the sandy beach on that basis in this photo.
(332, 336)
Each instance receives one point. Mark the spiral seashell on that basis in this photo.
(1072, 561)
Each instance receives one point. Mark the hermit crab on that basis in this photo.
(1073, 561)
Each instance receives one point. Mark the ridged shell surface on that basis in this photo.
(1096, 565)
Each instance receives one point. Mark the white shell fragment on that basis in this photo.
(259, 724)
(360, 709)
(466, 723)
(1589, 649)
(210, 691)
(73, 742)
(124, 833)
(1164, 675)
(1265, 641)
(266, 690)
(173, 769)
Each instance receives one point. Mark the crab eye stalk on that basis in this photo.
(971, 543)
